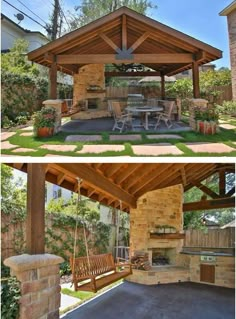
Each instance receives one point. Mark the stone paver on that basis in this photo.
(83, 138)
(54, 155)
(161, 136)
(26, 134)
(101, 148)
(7, 145)
(227, 126)
(156, 149)
(59, 148)
(6, 135)
(131, 137)
(28, 128)
(203, 147)
(23, 150)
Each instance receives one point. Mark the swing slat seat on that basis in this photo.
(97, 272)
(66, 111)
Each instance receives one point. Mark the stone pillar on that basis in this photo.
(56, 104)
(196, 104)
(40, 284)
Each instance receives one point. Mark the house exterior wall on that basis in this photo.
(10, 32)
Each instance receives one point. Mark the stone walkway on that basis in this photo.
(151, 149)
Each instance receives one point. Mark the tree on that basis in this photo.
(16, 61)
(193, 219)
(90, 10)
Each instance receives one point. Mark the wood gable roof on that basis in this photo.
(125, 36)
(115, 183)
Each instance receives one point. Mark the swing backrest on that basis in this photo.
(92, 266)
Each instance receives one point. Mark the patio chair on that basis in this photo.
(166, 115)
(121, 119)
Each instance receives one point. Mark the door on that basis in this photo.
(207, 273)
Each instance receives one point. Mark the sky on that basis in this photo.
(199, 19)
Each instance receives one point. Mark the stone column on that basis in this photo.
(56, 104)
(40, 284)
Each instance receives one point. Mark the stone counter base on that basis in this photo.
(160, 275)
(88, 115)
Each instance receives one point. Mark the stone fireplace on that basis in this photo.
(157, 208)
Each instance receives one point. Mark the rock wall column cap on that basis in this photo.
(52, 102)
(27, 262)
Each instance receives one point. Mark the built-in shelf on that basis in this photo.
(96, 91)
(167, 236)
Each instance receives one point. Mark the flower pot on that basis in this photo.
(207, 128)
(45, 131)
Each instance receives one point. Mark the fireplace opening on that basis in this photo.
(93, 103)
(163, 256)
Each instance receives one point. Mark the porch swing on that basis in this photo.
(92, 273)
(68, 109)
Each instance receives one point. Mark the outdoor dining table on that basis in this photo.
(145, 111)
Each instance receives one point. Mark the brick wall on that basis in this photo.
(232, 41)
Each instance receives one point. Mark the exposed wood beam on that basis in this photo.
(60, 178)
(129, 74)
(109, 42)
(98, 182)
(126, 173)
(222, 182)
(111, 170)
(183, 176)
(196, 86)
(124, 33)
(205, 189)
(35, 221)
(163, 93)
(210, 204)
(137, 58)
(53, 81)
(139, 41)
(200, 56)
(231, 192)
(49, 57)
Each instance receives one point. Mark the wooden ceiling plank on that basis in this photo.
(99, 182)
(183, 176)
(112, 169)
(139, 41)
(124, 33)
(127, 172)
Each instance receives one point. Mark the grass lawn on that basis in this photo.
(225, 136)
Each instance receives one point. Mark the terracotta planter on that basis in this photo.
(45, 131)
(207, 128)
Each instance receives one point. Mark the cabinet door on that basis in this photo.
(207, 273)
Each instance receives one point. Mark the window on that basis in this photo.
(56, 192)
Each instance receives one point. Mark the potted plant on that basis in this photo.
(44, 121)
(207, 121)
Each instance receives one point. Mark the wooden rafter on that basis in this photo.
(124, 33)
(205, 190)
(210, 204)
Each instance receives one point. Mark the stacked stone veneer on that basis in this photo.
(232, 42)
(40, 284)
(159, 207)
(196, 105)
(56, 104)
(92, 74)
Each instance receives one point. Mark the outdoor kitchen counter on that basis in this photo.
(206, 253)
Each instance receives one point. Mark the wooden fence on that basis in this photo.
(215, 238)
(225, 92)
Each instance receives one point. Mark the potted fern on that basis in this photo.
(44, 122)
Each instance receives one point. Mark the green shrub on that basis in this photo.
(227, 108)
(5, 271)
(10, 295)
(65, 268)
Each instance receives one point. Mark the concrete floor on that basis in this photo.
(170, 301)
(106, 125)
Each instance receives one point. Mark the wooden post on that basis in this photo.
(196, 87)
(35, 224)
(163, 93)
(222, 183)
(53, 81)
